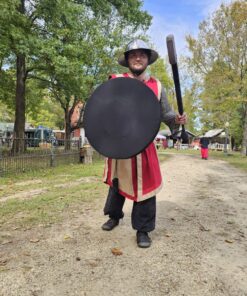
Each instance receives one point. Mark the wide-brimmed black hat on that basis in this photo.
(122, 117)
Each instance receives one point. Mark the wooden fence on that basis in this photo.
(36, 155)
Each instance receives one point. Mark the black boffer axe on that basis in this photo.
(173, 61)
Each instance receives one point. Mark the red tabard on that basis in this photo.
(139, 177)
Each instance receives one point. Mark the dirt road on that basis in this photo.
(199, 246)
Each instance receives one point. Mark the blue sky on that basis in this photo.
(179, 18)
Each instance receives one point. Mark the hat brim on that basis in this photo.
(153, 57)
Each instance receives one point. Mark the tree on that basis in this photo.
(20, 40)
(49, 114)
(219, 57)
(83, 54)
(55, 41)
(160, 71)
(190, 104)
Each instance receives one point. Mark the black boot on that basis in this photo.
(143, 240)
(110, 224)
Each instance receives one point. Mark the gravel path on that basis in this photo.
(199, 245)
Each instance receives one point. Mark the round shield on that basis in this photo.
(122, 117)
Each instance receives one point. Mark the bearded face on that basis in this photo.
(137, 61)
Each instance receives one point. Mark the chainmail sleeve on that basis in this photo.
(167, 114)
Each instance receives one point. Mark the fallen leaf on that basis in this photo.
(202, 228)
(167, 235)
(229, 241)
(34, 240)
(116, 251)
(93, 263)
(67, 237)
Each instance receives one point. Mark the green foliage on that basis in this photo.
(129, 10)
(68, 48)
(48, 113)
(6, 115)
(51, 203)
(218, 58)
(159, 70)
(191, 109)
(7, 88)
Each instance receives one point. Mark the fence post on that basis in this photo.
(80, 149)
(52, 160)
(1, 158)
(88, 158)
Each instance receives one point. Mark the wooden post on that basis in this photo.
(86, 154)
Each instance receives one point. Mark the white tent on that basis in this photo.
(160, 137)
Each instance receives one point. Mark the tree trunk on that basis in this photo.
(244, 141)
(19, 128)
(67, 128)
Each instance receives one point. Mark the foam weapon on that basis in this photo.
(173, 61)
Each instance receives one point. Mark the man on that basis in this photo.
(204, 142)
(138, 178)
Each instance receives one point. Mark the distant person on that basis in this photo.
(204, 142)
(164, 144)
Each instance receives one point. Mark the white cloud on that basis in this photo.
(207, 6)
(180, 25)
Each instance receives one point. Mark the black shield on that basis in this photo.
(122, 117)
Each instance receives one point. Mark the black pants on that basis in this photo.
(143, 213)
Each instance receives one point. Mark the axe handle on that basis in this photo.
(173, 61)
(177, 88)
(171, 48)
(175, 73)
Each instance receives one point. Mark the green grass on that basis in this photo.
(163, 157)
(233, 158)
(52, 173)
(61, 189)
(67, 188)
